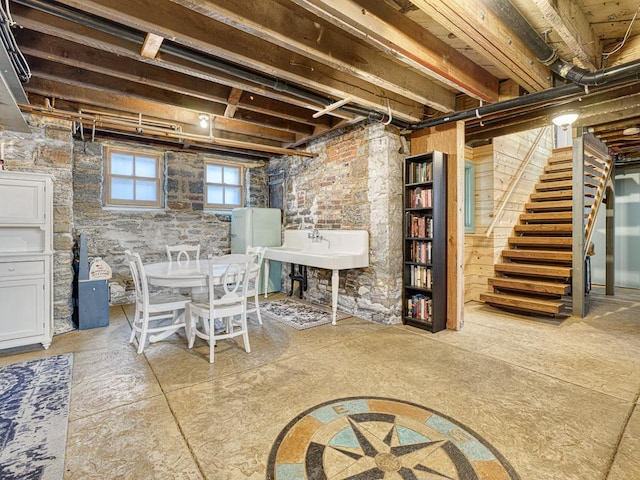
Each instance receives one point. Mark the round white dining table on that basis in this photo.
(179, 274)
(192, 274)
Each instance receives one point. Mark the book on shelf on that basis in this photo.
(420, 252)
(419, 225)
(421, 198)
(420, 172)
(420, 307)
(420, 276)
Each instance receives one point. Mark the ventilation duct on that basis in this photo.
(12, 66)
(11, 93)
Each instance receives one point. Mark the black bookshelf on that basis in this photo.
(424, 251)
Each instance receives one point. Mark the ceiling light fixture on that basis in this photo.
(565, 118)
(204, 120)
(631, 131)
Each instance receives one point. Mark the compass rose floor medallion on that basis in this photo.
(367, 438)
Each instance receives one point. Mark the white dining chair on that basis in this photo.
(183, 252)
(227, 303)
(152, 311)
(253, 289)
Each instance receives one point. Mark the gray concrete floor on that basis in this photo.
(558, 400)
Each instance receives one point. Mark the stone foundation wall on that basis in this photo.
(355, 182)
(110, 231)
(47, 149)
(77, 168)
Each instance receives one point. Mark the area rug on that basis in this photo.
(34, 411)
(298, 314)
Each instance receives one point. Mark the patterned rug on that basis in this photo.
(299, 314)
(34, 411)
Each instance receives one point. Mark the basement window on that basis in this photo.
(469, 197)
(133, 178)
(224, 186)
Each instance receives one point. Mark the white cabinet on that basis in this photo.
(26, 259)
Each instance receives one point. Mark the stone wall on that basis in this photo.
(47, 149)
(110, 231)
(77, 167)
(355, 182)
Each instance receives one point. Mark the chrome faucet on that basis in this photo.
(315, 236)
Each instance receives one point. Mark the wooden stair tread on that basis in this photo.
(552, 177)
(560, 185)
(558, 167)
(556, 195)
(538, 255)
(561, 153)
(530, 285)
(555, 205)
(550, 271)
(519, 302)
(541, 241)
(545, 229)
(557, 217)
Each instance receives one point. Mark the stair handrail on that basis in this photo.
(597, 150)
(515, 180)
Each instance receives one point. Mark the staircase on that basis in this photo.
(534, 275)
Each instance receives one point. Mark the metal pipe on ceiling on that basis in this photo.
(88, 20)
(581, 78)
(512, 17)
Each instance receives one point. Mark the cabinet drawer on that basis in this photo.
(21, 269)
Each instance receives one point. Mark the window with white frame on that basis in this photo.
(224, 186)
(133, 178)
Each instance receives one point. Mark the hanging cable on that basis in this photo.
(389, 113)
(8, 13)
(605, 56)
(17, 59)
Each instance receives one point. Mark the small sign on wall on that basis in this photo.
(99, 270)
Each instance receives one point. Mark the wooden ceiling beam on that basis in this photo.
(312, 40)
(92, 94)
(484, 32)
(72, 32)
(389, 30)
(569, 21)
(164, 80)
(197, 32)
(258, 108)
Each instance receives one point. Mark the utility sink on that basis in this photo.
(329, 249)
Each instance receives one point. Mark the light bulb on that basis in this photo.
(565, 119)
(204, 120)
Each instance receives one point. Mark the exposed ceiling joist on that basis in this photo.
(570, 23)
(263, 70)
(97, 40)
(195, 31)
(390, 31)
(316, 43)
(480, 28)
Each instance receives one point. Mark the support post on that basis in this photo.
(577, 244)
(610, 243)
